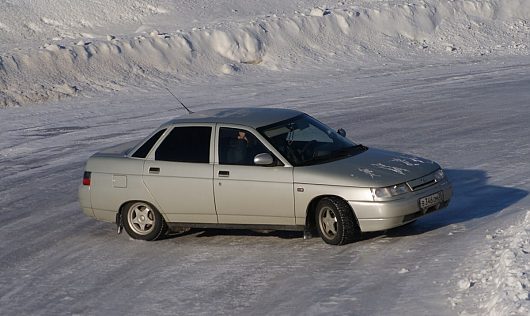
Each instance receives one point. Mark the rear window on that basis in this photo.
(186, 144)
(146, 147)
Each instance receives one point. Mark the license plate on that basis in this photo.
(431, 200)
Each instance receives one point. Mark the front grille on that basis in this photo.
(422, 182)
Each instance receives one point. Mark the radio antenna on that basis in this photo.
(189, 111)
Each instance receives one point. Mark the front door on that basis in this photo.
(244, 192)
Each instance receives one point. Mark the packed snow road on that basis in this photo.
(471, 117)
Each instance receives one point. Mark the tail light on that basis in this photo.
(86, 178)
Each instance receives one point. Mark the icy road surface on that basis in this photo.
(473, 118)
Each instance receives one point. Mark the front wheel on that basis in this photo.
(143, 221)
(335, 221)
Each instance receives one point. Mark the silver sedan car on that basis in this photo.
(258, 168)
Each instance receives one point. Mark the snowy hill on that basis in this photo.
(54, 49)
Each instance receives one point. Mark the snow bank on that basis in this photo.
(32, 20)
(497, 279)
(355, 34)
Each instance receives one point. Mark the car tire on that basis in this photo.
(336, 222)
(142, 221)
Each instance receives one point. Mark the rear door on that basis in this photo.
(179, 174)
(246, 193)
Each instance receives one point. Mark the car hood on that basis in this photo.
(371, 168)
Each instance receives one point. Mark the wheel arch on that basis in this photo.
(310, 219)
(124, 205)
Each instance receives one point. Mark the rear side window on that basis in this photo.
(186, 144)
(146, 147)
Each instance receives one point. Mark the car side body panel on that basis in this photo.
(253, 194)
(307, 192)
(114, 181)
(184, 191)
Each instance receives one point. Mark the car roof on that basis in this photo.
(251, 117)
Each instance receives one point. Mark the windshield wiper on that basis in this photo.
(348, 151)
(338, 154)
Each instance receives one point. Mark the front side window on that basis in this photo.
(186, 144)
(238, 147)
(305, 141)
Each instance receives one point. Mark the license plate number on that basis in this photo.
(431, 200)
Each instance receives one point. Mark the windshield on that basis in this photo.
(305, 141)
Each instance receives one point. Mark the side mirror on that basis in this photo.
(341, 132)
(264, 159)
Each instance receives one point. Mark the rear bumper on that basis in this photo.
(375, 216)
(84, 200)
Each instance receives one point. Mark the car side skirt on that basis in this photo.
(176, 226)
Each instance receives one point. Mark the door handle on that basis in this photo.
(154, 170)
(224, 173)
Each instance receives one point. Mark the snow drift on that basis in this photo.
(499, 283)
(358, 34)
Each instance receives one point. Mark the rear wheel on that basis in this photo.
(143, 221)
(335, 221)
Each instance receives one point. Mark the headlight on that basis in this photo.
(439, 175)
(390, 191)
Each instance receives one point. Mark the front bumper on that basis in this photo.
(375, 216)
